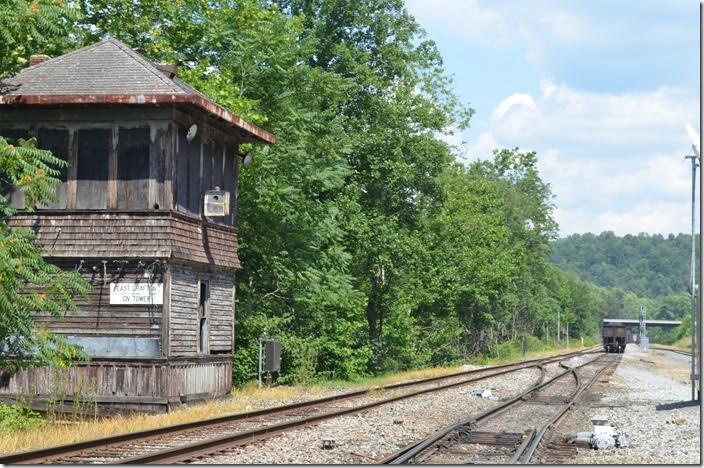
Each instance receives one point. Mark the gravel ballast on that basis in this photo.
(369, 436)
(648, 397)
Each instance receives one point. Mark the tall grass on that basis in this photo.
(684, 344)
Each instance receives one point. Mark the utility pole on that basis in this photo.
(261, 356)
(558, 327)
(695, 156)
(696, 309)
(693, 278)
(641, 339)
(547, 337)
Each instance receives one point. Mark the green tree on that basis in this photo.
(648, 265)
(365, 245)
(33, 26)
(27, 283)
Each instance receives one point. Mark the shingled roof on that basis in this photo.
(108, 73)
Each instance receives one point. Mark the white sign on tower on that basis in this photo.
(137, 293)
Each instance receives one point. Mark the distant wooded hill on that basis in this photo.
(648, 265)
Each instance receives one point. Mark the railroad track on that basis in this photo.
(189, 441)
(677, 351)
(508, 433)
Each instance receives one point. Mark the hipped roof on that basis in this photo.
(111, 73)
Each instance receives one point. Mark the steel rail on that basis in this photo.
(42, 455)
(522, 447)
(424, 444)
(685, 353)
(196, 449)
(389, 458)
(573, 400)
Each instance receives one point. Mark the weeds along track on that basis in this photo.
(186, 441)
(519, 430)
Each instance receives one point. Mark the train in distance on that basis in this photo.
(614, 337)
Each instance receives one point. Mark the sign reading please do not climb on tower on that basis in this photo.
(137, 293)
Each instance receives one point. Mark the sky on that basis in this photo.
(601, 90)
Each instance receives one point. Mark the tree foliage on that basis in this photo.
(27, 283)
(630, 272)
(30, 284)
(650, 265)
(33, 26)
(366, 245)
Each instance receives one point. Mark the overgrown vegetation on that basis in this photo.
(18, 417)
(28, 282)
(367, 247)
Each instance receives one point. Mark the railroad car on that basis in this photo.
(614, 337)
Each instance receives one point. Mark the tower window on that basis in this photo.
(203, 312)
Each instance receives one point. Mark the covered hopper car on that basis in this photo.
(614, 337)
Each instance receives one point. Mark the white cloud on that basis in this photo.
(571, 29)
(614, 161)
(563, 114)
(659, 217)
(515, 100)
(511, 23)
(481, 148)
(665, 175)
(467, 19)
(569, 178)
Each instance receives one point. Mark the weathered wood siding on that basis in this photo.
(151, 234)
(132, 193)
(184, 303)
(222, 313)
(133, 168)
(91, 164)
(183, 323)
(128, 384)
(57, 141)
(96, 316)
(196, 381)
(99, 378)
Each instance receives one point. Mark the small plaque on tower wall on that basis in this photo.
(137, 293)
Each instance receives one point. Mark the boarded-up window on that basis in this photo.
(133, 168)
(92, 168)
(182, 170)
(207, 168)
(230, 183)
(194, 165)
(14, 196)
(218, 180)
(56, 141)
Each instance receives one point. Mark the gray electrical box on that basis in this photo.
(216, 203)
(273, 356)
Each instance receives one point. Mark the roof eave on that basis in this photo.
(258, 134)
